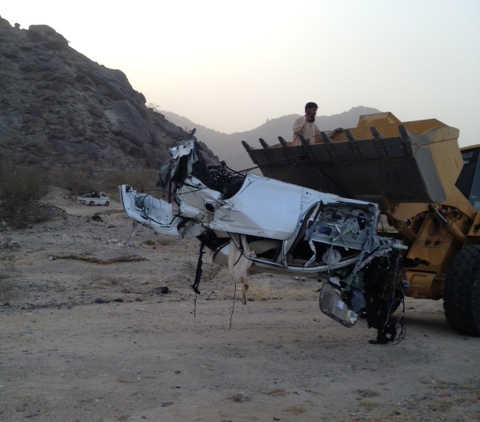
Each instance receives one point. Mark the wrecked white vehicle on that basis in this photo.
(249, 220)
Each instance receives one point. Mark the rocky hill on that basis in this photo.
(58, 108)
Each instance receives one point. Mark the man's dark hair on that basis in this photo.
(310, 105)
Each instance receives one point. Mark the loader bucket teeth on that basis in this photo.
(264, 144)
(283, 142)
(247, 147)
(375, 133)
(382, 159)
(349, 136)
(326, 138)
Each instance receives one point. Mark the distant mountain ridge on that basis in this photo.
(228, 147)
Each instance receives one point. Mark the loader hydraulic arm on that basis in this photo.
(457, 236)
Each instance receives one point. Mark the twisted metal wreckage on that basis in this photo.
(249, 220)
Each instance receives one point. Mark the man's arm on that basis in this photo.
(299, 124)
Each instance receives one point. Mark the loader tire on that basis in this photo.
(461, 299)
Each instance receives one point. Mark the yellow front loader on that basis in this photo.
(428, 190)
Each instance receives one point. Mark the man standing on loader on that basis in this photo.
(305, 126)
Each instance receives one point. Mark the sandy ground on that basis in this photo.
(87, 336)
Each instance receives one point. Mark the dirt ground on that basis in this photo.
(94, 329)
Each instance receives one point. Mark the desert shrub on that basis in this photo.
(20, 189)
(165, 241)
(141, 180)
(6, 286)
(79, 181)
(209, 271)
(7, 275)
(75, 180)
(6, 279)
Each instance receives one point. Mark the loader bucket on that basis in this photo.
(381, 160)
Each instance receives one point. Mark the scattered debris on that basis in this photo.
(126, 258)
(100, 300)
(162, 290)
(240, 397)
(168, 403)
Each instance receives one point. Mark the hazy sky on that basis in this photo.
(231, 65)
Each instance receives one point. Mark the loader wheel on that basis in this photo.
(91, 203)
(461, 299)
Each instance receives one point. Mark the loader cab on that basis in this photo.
(469, 180)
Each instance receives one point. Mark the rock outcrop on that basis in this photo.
(58, 108)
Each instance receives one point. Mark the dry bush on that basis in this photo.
(20, 188)
(75, 180)
(6, 286)
(7, 271)
(141, 180)
(6, 281)
(79, 181)
(209, 271)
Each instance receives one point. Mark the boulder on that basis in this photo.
(48, 36)
(40, 62)
(128, 123)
